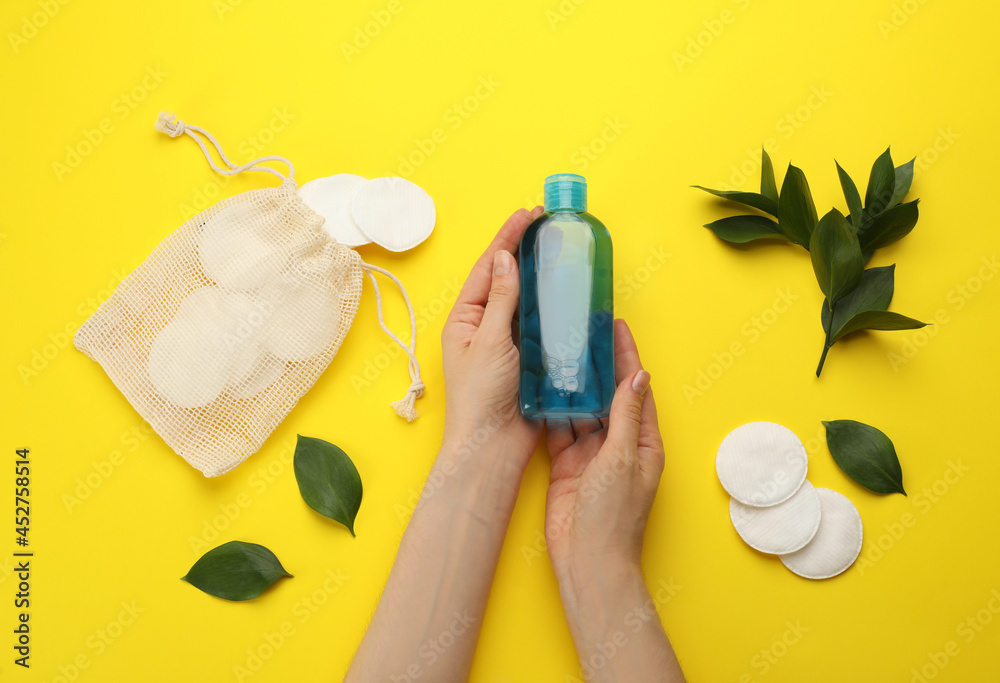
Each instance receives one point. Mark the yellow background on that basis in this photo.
(570, 79)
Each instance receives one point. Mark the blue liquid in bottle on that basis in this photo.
(567, 308)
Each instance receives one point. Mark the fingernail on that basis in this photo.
(502, 263)
(537, 211)
(640, 382)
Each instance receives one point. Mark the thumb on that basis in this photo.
(502, 302)
(626, 413)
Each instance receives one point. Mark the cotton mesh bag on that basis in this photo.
(233, 317)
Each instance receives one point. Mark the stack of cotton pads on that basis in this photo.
(816, 533)
(391, 212)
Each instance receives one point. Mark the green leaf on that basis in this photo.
(757, 201)
(877, 320)
(851, 195)
(836, 256)
(889, 226)
(328, 480)
(904, 177)
(873, 293)
(768, 187)
(796, 211)
(235, 571)
(866, 455)
(742, 229)
(881, 184)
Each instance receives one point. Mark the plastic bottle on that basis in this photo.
(567, 308)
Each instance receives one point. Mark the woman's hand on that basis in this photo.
(605, 473)
(481, 363)
(603, 482)
(441, 579)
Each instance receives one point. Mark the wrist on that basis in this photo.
(597, 596)
(475, 473)
(598, 576)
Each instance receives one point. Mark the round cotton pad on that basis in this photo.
(836, 544)
(781, 528)
(233, 254)
(761, 464)
(330, 197)
(394, 213)
(259, 371)
(305, 321)
(190, 360)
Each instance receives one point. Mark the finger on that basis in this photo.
(585, 426)
(651, 458)
(502, 299)
(477, 286)
(626, 352)
(559, 436)
(626, 413)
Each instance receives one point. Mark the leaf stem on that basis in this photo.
(827, 343)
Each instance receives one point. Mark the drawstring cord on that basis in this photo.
(404, 407)
(171, 125)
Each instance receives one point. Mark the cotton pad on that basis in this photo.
(232, 251)
(836, 544)
(191, 358)
(394, 213)
(761, 464)
(259, 371)
(781, 528)
(304, 321)
(330, 197)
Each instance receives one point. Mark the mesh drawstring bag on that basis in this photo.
(233, 317)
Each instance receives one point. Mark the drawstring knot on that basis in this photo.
(166, 123)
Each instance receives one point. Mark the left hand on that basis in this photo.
(481, 363)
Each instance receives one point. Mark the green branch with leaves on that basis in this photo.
(839, 245)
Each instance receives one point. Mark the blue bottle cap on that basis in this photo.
(566, 191)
